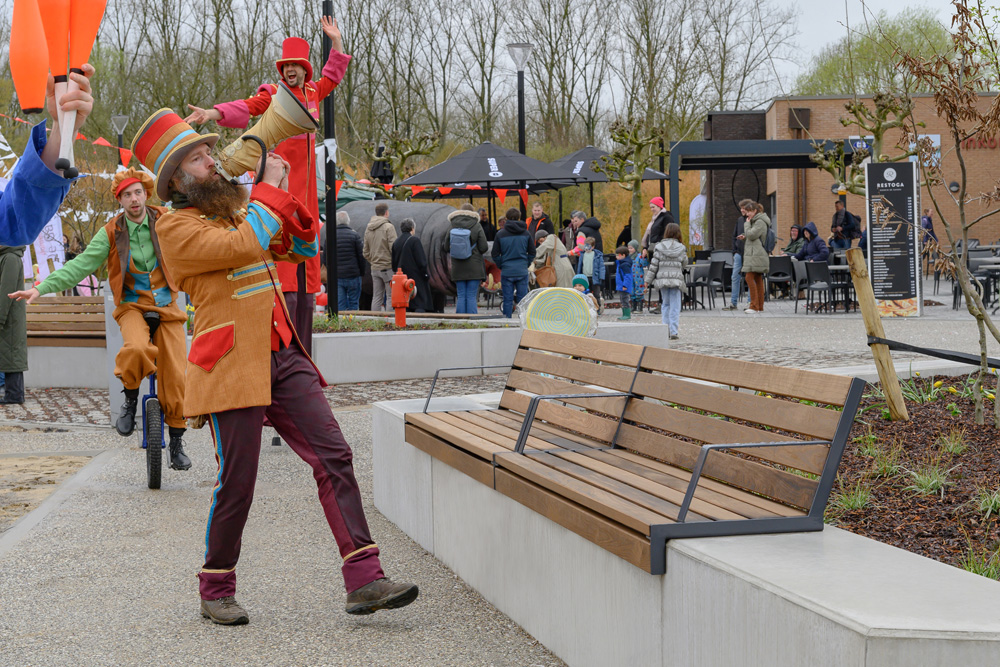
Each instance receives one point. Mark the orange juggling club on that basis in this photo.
(55, 21)
(27, 69)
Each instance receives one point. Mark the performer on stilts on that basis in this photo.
(299, 283)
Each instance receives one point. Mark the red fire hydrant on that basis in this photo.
(402, 289)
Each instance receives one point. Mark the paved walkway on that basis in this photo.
(108, 577)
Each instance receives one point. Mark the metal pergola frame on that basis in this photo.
(741, 154)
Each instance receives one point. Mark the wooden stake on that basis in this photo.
(873, 326)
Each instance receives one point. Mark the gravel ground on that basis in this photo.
(109, 577)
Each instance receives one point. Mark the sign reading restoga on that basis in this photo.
(893, 239)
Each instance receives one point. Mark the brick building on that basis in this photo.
(797, 196)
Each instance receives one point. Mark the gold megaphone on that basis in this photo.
(286, 117)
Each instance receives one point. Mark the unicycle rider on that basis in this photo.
(140, 284)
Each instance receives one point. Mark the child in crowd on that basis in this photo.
(581, 283)
(639, 264)
(591, 265)
(666, 273)
(623, 280)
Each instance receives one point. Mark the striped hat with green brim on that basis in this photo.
(162, 143)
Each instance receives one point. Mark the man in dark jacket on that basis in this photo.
(815, 249)
(13, 324)
(842, 229)
(737, 277)
(513, 251)
(661, 218)
(486, 224)
(467, 272)
(350, 263)
(408, 255)
(592, 227)
(539, 220)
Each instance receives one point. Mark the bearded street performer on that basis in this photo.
(140, 285)
(246, 362)
(299, 283)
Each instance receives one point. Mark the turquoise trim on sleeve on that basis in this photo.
(300, 247)
(264, 225)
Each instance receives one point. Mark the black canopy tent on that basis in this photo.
(581, 164)
(741, 154)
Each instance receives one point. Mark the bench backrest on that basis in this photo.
(684, 400)
(66, 320)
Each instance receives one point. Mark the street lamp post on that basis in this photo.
(519, 53)
(118, 124)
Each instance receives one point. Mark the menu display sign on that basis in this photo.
(893, 237)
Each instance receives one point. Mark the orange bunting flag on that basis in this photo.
(524, 196)
(336, 191)
(125, 154)
(501, 193)
(417, 189)
(101, 141)
(445, 191)
(80, 137)
(387, 186)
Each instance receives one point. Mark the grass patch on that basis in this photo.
(868, 443)
(984, 562)
(952, 442)
(852, 498)
(351, 324)
(929, 478)
(887, 462)
(988, 502)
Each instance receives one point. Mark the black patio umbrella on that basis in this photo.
(581, 164)
(488, 164)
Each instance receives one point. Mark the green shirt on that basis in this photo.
(87, 262)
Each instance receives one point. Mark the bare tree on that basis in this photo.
(484, 27)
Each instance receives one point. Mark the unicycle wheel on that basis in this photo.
(154, 442)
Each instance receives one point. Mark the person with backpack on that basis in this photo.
(513, 251)
(844, 228)
(466, 243)
(755, 257)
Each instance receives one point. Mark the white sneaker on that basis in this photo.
(751, 311)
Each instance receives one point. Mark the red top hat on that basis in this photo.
(295, 50)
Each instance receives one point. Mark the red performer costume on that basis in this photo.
(298, 151)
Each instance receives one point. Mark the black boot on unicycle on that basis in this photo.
(126, 419)
(178, 459)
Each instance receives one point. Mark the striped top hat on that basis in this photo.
(162, 143)
(295, 50)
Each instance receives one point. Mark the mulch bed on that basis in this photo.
(945, 528)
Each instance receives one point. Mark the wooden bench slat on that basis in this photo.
(671, 495)
(595, 426)
(781, 485)
(601, 501)
(808, 420)
(587, 372)
(623, 542)
(73, 317)
(474, 444)
(67, 326)
(59, 300)
(542, 430)
(39, 307)
(717, 431)
(623, 354)
(477, 469)
(810, 385)
(539, 385)
(34, 341)
(487, 430)
(716, 493)
(666, 509)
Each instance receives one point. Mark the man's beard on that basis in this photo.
(214, 196)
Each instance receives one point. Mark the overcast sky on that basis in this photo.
(823, 21)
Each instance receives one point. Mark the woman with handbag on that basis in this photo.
(552, 266)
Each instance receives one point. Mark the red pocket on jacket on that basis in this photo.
(210, 346)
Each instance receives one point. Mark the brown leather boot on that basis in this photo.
(381, 594)
(224, 611)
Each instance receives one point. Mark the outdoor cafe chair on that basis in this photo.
(723, 256)
(819, 284)
(696, 277)
(718, 278)
(780, 272)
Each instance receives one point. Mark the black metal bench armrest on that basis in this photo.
(454, 368)
(529, 415)
(703, 455)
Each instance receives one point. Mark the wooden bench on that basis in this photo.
(67, 321)
(630, 446)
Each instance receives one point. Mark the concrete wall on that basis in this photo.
(819, 599)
